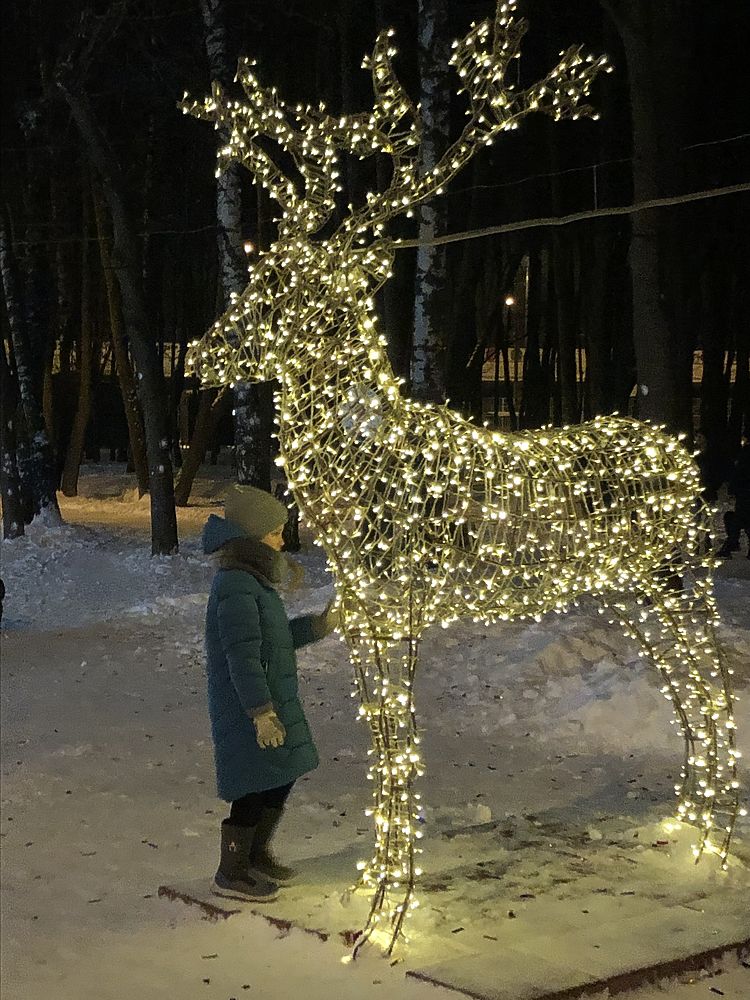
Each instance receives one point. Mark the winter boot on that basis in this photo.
(233, 878)
(261, 858)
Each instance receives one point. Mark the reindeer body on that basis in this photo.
(424, 516)
(481, 523)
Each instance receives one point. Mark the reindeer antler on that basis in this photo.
(482, 59)
(392, 103)
(309, 135)
(313, 138)
(307, 201)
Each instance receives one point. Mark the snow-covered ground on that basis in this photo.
(107, 779)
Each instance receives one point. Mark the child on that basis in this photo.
(262, 742)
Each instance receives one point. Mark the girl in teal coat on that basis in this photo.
(262, 742)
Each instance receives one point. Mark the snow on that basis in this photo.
(540, 740)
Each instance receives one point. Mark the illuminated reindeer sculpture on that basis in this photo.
(424, 516)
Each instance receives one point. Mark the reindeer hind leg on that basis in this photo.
(675, 627)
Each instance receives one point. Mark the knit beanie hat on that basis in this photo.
(253, 510)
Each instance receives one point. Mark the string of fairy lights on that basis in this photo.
(425, 517)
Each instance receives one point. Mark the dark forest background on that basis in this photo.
(111, 233)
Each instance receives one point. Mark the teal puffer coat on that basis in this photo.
(250, 661)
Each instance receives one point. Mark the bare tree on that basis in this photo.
(213, 405)
(123, 367)
(41, 458)
(127, 264)
(74, 453)
(656, 38)
(251, 453)
(14, 505)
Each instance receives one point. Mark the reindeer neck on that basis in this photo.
(346, 369)
(331, 407)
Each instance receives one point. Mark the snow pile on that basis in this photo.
(66, 576)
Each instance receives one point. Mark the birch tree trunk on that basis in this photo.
(248, 426)
(41, 462)
(127, 264)
(429, 337)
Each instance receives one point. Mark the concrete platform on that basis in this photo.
(529, 913)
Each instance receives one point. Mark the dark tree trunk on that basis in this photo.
(475, 273)
(344, 12)
(74, 453)
(510, 399)
(739, 412)
(126, 260)
(14, 505)
(714, 342)
(48, 404)
(562, 292)
(534, 403)
(566, 332)
(596, 331)
(738, 422)
(605, 287)
(123, 368)
(177, 369)
(41, 463)
(539, 358)
(212, 406)
(63, 200)
(291, 528)
(655, 38)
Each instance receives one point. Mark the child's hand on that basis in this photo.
(333, 616)
(269, 730)
(326, 622)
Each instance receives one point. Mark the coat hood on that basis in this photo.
(217, 531)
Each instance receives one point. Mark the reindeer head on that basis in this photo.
(306, 284)
(299, 298)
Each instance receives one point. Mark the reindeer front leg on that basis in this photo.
(384, 670)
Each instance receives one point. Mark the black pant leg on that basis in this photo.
(247, 810)
(275, 798)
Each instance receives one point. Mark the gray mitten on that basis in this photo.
(325, 623)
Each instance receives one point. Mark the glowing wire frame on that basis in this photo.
(424, 516)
